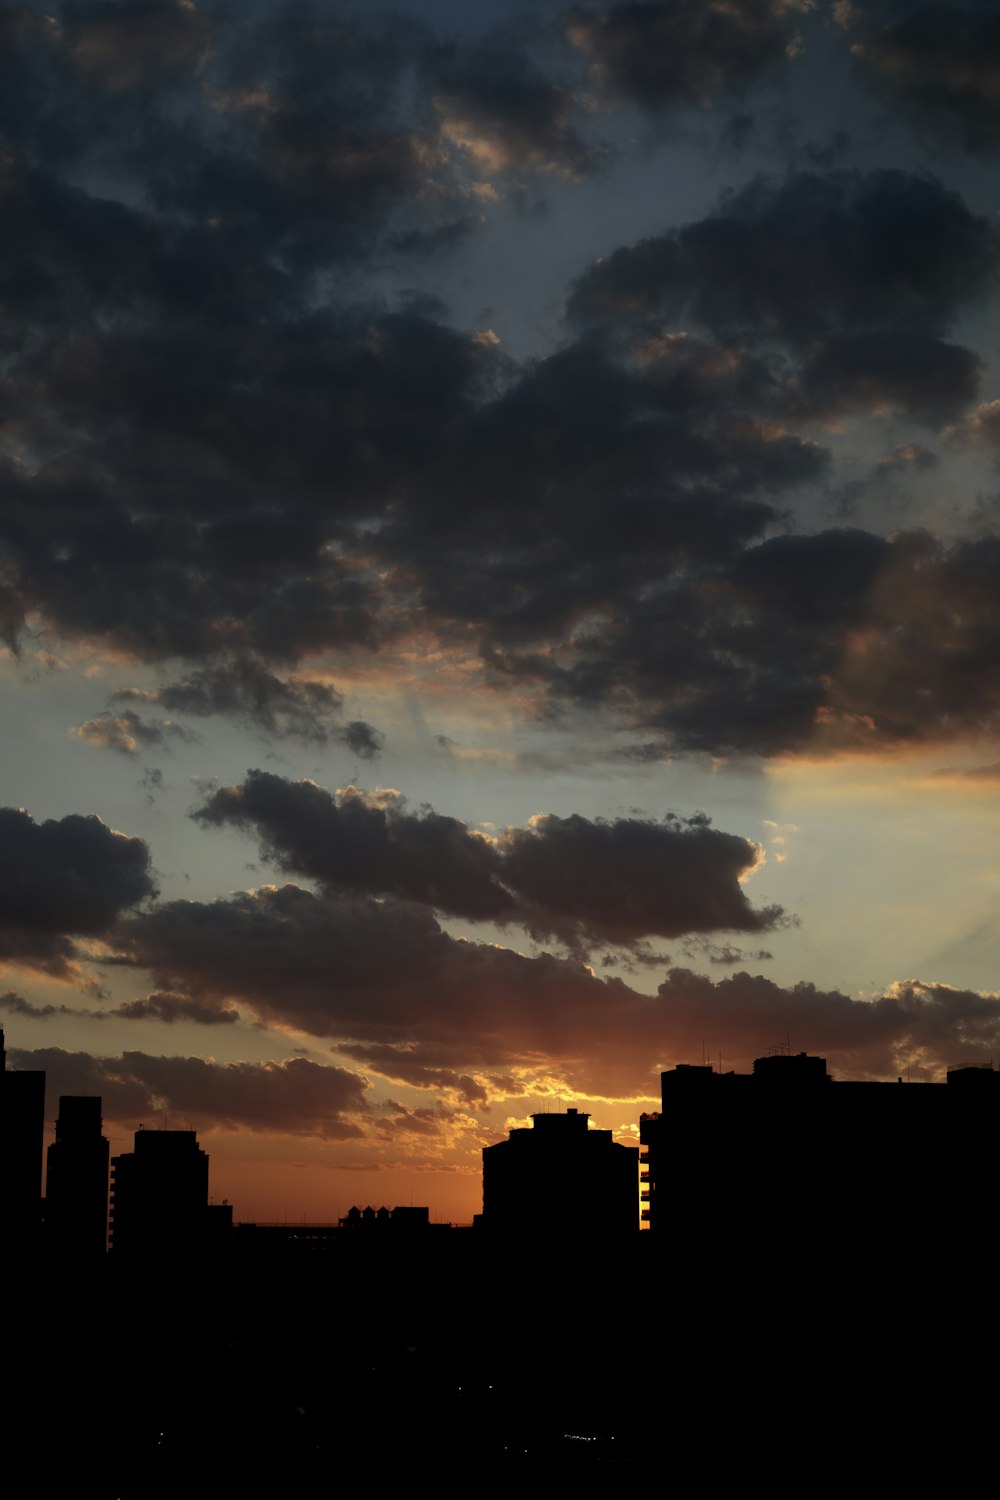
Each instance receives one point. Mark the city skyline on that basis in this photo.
(500, 540)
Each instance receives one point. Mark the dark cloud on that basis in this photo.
(157, 1006)
(838, 640)
(603, 881)
(17, 1005)
(297, 1097)
(233, 432)
(369, 843)
(807, 258)
(909, 456)
(128, 733)
(135, 44)
(403, 1065)
(161, 1005)
(655, 457)
(63, 879)
(245, 690)
(401, 982)
(728, 955)
(184, 544)
(474, 1009)
(889, 373)
(583, 881)
(937, 60)
(397, 1119)
(682, 53)
(497, 105)
(927, 1027)
(219, 453)
(306, 131)
(363, 738)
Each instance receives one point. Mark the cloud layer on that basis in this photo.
(223, 449)
(297, 1097)
(382, 980)
(583, 881)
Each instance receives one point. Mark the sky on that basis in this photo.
(499, 557)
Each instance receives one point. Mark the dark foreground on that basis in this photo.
(804, 1367)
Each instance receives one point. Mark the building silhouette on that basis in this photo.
(403, 1219)
(159, 1195)
(562, 1177)
(786, 1152)
(22, 1128)
(76, 1183)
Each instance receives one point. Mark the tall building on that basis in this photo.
(76, 1186)
(560, 1176)
(788, 1153)
(159, 1194)
(22, 1126)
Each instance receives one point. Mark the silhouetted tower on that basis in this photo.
(22, 1127)
(560, 1177)
(76, 1191)
(159, 1194)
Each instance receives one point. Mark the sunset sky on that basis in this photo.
(499, 562)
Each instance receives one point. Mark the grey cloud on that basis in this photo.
(403, 1065)
(161, 1005)
(497, 105)
(909, 456)
(682, 53)
(133, 45)
(247, 691)
(63, 879)
(841, 639)
(127, 732)
(368, 844)
(297, 1096)
(228, 466)
(603, 881)
(806, 258)
(17, 1005)
(899, 371)
(474, 1009)
(364, 739)
(397, 1119)
(584, 881)
(938, 61)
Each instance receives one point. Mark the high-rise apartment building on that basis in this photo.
(560, 1176)
(76, 1185)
